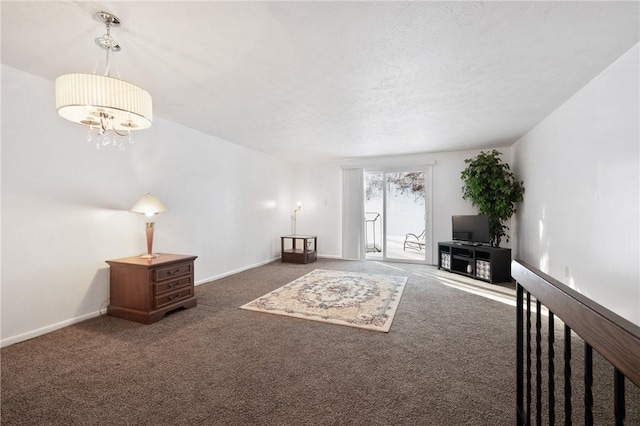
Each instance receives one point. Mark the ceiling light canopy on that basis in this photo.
(111, 108)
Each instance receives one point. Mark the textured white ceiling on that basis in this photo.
(329, 80)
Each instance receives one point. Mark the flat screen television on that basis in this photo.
(471, 229)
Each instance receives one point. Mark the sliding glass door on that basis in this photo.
(373, 213)
(396, 219)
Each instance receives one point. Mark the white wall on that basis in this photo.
(580, 218)
(319, 188)
(65, 207)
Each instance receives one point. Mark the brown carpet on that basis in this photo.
(448, 360)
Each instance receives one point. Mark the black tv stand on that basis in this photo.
(467, 243)
(480, 262)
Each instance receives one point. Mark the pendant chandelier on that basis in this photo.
(111, 108)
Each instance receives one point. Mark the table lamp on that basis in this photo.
(149, 205)
(295, 215)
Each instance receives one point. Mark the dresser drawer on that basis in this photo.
(173, 271)
(165, 286)
(173, 297)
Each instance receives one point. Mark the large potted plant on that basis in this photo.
(493, 189)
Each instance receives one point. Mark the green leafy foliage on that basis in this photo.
(493, 189)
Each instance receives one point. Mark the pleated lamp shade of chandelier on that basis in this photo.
(108, 106)
(91, 99)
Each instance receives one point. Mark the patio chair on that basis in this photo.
(414, 242)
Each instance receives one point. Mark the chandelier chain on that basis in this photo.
(104, 123)
(108, 41)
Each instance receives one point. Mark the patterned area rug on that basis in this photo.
(346, 298)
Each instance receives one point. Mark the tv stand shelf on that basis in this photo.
(492, 264)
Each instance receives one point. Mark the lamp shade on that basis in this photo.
(82, 98)
(148, 205)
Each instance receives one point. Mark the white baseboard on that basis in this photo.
(255, 265)
(329, 256)
(53, 327)
(226, 274)
(48, 329)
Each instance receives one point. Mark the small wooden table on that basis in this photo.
(144, 290)
(292, 252)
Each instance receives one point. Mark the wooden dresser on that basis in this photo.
(144, 290)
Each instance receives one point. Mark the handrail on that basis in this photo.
(615, 338)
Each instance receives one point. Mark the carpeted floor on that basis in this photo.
(448, 360)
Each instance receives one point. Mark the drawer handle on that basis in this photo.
(174, 272)
(174, 297)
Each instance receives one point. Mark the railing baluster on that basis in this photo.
(552, 383)
(618, 395)
(567, 375)
(538, 364)
(588, 382)
(528, 358)
(519, 356)
(614, 338)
